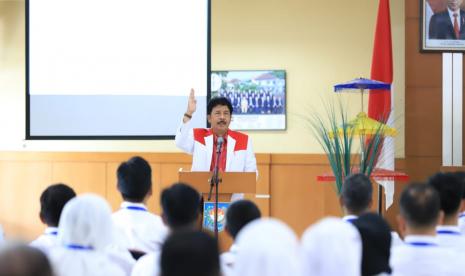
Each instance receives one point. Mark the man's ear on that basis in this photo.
(209, 119)
(42, 218)
(402, 225)
(440, 217)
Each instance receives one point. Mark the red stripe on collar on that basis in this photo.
(201, 133)
(241, 140)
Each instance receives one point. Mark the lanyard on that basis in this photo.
(448, 232)
(79, 247)
(136, 208)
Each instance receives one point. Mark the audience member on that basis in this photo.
(23, 260)
(143, 231)
(331, 247)
(450, 190)
(267, 247)
(421, 254)
(356, 196)
(85, 231)
(238, 215)
(180, 212)
(190, 253)
(52, 201)
(376, 244)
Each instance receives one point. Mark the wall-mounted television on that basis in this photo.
(258, 97)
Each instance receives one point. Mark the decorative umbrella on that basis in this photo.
(361, 84)
(363, 125)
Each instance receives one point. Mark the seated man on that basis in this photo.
(190, 253)
(52, 201)
(181, 212)
(461, 176)
(143, 231)
(238, 215)
(421, 254)
(450, 190)
(356, 196)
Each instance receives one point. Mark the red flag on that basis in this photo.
(379, 101)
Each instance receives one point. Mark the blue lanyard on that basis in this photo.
(79, 247)
(136, 208)
(449, 232)
(422, 243)
(54, 233)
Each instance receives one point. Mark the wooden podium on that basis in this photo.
(230, 183)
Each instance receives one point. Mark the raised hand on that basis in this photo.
(192, 103)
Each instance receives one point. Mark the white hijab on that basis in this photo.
(85, 231)
(267, 247)
(332, 247)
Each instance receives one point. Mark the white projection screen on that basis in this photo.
(114, 69)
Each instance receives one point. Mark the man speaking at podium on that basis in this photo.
(236, 148)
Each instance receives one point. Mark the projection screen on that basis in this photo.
(113, 69)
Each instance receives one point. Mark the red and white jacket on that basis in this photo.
(199, 142)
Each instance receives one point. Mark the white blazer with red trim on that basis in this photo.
(199, 142)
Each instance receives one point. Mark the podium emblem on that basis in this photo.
(209, 215)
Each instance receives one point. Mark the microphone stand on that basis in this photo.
(214, 181)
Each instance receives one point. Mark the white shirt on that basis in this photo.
(228, 258)
(422, 255)
(142, 230)
(47, 240)
(148, 265)
(71, 262)
(450, 236)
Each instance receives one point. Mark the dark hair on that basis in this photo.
(190, 253)
(23, 260)
(376, 243)
(461, 175)
(52, 201)
(134, 179)
(240, 213)
(357, 193)
(450, 190)
(180, 204)
(219, 101)
(420, 205)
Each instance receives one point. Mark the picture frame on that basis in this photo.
(258, 97)
(440, 29)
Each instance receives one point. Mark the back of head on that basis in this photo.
(239, 214)
(23, 260)
(357, 193)
(420, 206)
(219, 101)
(181, 205)
(450, 190)
(461, 176)
(376, 243)
(52, 201)
(267, 247)
(134, 179)
(86, 221)
(190, 253)
(331, 247)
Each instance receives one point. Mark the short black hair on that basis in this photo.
(357, 193)
(450, 190)
(240, 213)
(23, 260)
(190, 253)
(461, 176)
(218, 101)
(420, 205)
(134, 179)
(52, 201)
(180, 204)
(376, 243)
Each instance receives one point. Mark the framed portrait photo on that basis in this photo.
(442, 25)
(258, 97)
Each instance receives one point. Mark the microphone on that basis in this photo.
(219, 144)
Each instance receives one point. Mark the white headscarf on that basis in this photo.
(332, 247)
(85, 231)
(86, 221)
(267, 247)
